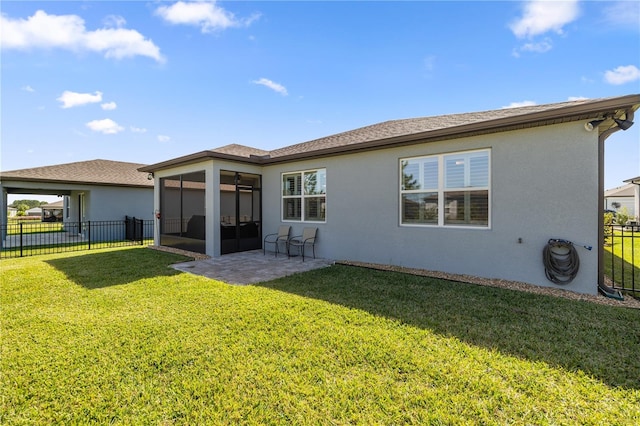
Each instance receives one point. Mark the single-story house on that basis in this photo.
(476, 193)
(12, 212)
(621, 197)
(53, 212)
(34, 211)
(95, 190)
(636, 198)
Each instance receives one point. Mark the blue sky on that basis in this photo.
(147, 81)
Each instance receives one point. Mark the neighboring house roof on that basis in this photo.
(621, 191)
(424, 129)
(635, 180)
(34, 211)
(96, 172)
(54, 205)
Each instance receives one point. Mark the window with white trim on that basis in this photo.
(446, 189)
(304, 196)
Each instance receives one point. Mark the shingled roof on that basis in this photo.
(422, 130)
(627, 190)
(448, 126)
(240, 150)
(96, 172)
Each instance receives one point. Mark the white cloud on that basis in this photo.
(541, 16)
(163, 138)
(622, 75)
(206, 15)
(114, 21)
(540, 47)
(623, 13)
(519, 104)
(68, 32)
(429, 63)
(138, 129)
(28, 88)
(535, 47)
(109, 106)
(272, 85)
(576, 98)
(106, 126)
(119, 43)
(72, 99)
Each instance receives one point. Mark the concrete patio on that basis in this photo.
(250, 267)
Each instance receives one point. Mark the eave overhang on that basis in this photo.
(611, 107)
(8, 180)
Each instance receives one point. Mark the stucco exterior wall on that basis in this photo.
(112, 203)
(544, 184)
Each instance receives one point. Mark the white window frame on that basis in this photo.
(442, 189)
(302, 196)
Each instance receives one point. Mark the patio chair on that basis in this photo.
(281, 237)
(308, 238)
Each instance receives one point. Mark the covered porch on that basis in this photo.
(211, 208)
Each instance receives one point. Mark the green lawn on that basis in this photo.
(33, 227)
(117, 337)
(622, 259)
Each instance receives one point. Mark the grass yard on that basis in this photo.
(33, 227)
(117, 337)
(622, 259)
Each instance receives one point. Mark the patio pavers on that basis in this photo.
(250, 267)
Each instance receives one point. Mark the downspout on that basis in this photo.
(608, 291)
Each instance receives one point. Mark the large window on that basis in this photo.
(304, 196)
(446, 190)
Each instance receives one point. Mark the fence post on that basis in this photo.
(138, 230)
(89, 234)
(21, 238)
(127, 228)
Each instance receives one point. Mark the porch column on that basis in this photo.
(156, 209)
(212, 207)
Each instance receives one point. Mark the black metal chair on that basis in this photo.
(281, 237)
(308, 238)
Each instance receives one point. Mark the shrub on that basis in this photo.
(608, 221)
(622, 216)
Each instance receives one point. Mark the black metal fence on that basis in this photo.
(622, 257)
(19, 239)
